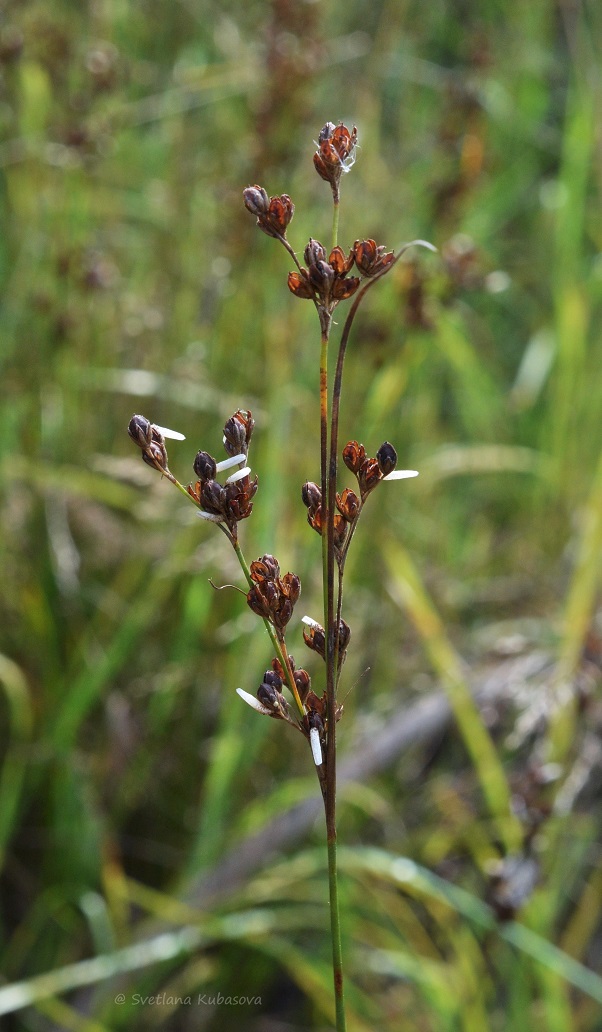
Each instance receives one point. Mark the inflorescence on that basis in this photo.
(327, 278)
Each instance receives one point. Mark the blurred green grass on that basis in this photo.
(132, 279)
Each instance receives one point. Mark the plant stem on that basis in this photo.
(335, 221)
(328, 478)
(279, 647)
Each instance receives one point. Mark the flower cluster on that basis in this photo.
(325, 278)
(273, 213)
(370, 471)
(270, 701)
(231, 502)
(269, 698)
(325, 281)
(273, 597)
(335, 154)
(150, 438)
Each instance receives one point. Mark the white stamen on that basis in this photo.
(316, 748)
(239, 475)
(166, 432)
(311, 623)
(234, 460)
(401, 474)
(212, 517)
(254, 703)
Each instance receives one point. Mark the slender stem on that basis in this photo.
(279, 646)
(335, 927)
(324, 513)
(328, 477)
(335, 221)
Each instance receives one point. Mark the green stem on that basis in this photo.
(335, 222)
(279, 647)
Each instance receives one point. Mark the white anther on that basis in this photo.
(316, 748)
(254, 703)
(401, 474)
(239, 475)
(311, 623)
(166, 432)
(234, 460)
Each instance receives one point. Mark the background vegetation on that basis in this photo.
(147, 818)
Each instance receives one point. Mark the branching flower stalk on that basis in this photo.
(327, 280)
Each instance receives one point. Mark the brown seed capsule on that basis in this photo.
(353, 456)
(299, 285)
(273, 678)
(321, 277)
(314, 252)
(341, 528)
(273, 214)
(139, 429)
(315, 639)
(339, 262)
(204, 466)
(238, 431)
(266, 568)
(386, 457)
(257, 602)
(348, 504)
(283, 613)
(368, 477)
(371, 258)
(238, 494)
(267, 696)
(314, 518)
(290, 586)
(302, 683)
(311, 495)
(256, 200)
(335, 154)
(344, 636)
(345, 288)
(213, 497)
(280, 213)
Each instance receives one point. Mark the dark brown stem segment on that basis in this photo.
(330, 787)
(329, 455)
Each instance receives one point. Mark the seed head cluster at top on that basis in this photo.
(327, 279)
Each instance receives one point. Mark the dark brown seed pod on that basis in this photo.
(213, 497)
(386, 457)
(266, 568)
(311, 495)
(314, 252)
(368, 477)
(348, 504)
(371, 258)
(299, 285)
(238, 431)
(204, 466)
(302, 683)
(139, 429)
(344, 636)
(256, 200)
(315, 637)
(353, 456)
